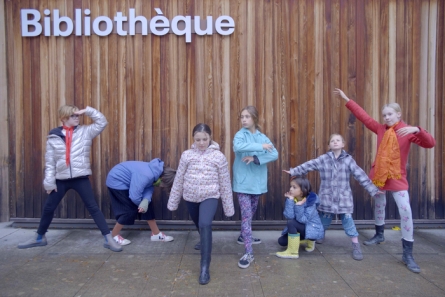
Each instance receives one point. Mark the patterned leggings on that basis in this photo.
(248, 204)
(406, 216)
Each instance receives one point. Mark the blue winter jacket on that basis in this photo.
(137, 177)
(251, 178)
(306, 214)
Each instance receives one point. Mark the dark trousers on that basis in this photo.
(202, 213)
(81, 186)
(293, 227)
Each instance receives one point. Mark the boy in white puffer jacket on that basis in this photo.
(67, 166)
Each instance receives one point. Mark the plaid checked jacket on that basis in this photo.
(335, 190)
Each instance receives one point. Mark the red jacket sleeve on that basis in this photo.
(423, 139)
(362, 116)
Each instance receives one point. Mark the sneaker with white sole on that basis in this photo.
(245, 261)
(161, 237)
(240, 240)
(120, 240)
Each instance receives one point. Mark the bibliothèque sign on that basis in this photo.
(84, 25)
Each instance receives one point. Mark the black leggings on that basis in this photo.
(83, 187)
(293, 227)
(202, 213)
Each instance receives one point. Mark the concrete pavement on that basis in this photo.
(74, 263)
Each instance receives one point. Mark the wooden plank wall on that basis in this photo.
(285, 57)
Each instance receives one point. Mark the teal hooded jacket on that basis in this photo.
(251, 178)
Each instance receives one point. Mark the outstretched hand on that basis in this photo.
(288, 172)
(340, 93)
(407, 130)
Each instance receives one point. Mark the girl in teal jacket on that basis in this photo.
(253, 150)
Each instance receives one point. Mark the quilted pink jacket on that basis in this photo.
(202, 175)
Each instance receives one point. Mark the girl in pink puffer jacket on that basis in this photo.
(201, 179)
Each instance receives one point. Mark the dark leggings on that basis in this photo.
(293, 227)
(202, 213)
(81, 186)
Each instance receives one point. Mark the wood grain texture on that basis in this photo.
(285, 58)
(4, 127)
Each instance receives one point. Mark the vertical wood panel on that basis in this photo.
(429, 191)
(4, 128)
(18, 114)
(440, 119)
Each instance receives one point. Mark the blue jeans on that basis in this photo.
(346, 221)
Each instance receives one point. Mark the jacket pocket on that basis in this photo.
(345, 198)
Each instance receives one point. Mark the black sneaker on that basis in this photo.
(254, 240)
(245, 261)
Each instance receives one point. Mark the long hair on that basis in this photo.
(253, 113)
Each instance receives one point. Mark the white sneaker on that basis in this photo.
(120, 240)
(245, 261)
(161, 237)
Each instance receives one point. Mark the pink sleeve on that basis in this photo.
(225, 188)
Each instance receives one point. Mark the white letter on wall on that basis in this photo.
(134, 19)
(229, 24)
(187, 30)
(57, 21)
(108, 29)
(208, 30)
(34, 22)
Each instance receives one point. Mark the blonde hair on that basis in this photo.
(66, 111)
(253, 113)
(336, 134)
(394, 106)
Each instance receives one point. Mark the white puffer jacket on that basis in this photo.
(55, 164)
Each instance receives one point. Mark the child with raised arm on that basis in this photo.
(67, 166)
(303, 225)
(201, 179)
(388, 171)
(336, 167)
(131, 185)
(253, 150)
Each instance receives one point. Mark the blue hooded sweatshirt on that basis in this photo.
(137, 177)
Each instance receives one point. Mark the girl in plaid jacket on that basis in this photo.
(336, 167)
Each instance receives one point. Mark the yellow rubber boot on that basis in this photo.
(310, 245)
(292, 247)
